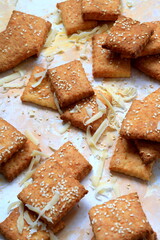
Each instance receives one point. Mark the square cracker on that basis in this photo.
(128, 37)
(41, 191)
(142, 119)
(24, 37)
(149, 151)
(120, 219)
(69, 82)
(150, 65)
(8, 228)
(100, 10)
(153, 46)
(11, 140)
(73, 21)
(18, 162)
(70, 159)
(40, 95)
(126, 160)
(106, 63)
(77, 115)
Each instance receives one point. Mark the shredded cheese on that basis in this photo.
(57, 104)
(94, 118)
(27, 218)
(30, 171)
(64, 128)
(49, 205)
(89, 111)
(20, 221)
(101, 106)
(13, 205)
(103, 187)
(128, 93)
(31, 137)
(100, 131)
(37, 75)
(51, 37)
(9, 78)
(14, 85)
(38, 153)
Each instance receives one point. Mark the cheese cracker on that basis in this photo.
(73, 21)
(40, 95)
(149, 151)
(69, 82)
(101, 10)
(106, 64)
(64, 190)
(70, 159)
(149, 65)
(142, 119)
(79, 114)
(128, 37)
(121, 219)
(153, 46)
(126, 160)
(24, 37)
(11, 140)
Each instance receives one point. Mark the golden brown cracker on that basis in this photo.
(8, 228)
(153, 46)
(70, 159)
(73, 21)
(24, 37)
(100, 10)
(69, 82)
(77, 115)
(149, 65)
(128, 37)
(11, 140)
(68, 190)
(40, 95)
(106, 63)
(142, 119)
(18, 162)
(149, 151)
(126, 160)
(120, 219)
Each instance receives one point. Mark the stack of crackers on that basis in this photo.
(54, 191)
(138, 146)
(68, 85)
(15, 151)
(127, 39)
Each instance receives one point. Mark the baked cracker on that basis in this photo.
(11, 140)
(69, 82)
(107, 64)
(24, 37)
(41, 191)
(100, 10)
(149, 151)
(150, 65)
(70, 159)
(153, 46)
(8, 228)
(77, 114)
(71, 12)
(128, 37)
(142, 119)
(40, 95)
(18, 162)
(126, 160)
(120, 219)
